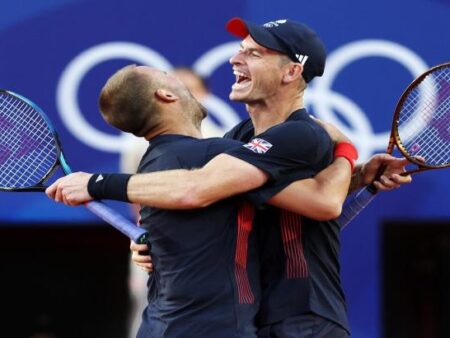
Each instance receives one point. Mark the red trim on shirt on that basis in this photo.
(291, 233)
(246, 213)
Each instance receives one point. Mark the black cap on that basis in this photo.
(299, 42)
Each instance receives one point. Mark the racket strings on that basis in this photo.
(431, 141)
(28, 149)
(25, 143)
(424, 119)
(37, 167)
(18, 145)
(42, 160)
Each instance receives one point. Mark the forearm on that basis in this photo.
(172, 189)
(321, 197)
(222, 177)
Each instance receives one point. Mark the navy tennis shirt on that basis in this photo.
(205, 282)
(300, 270)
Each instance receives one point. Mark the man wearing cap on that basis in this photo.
(300, 276)
(302, 292)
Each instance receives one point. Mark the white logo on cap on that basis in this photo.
(302, 58)
(276, 23)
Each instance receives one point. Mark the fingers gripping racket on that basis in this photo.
(420, 130)
(30, 152)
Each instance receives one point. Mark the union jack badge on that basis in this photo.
(258, 145)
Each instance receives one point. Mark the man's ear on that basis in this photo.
(166, 95)
(293, 72)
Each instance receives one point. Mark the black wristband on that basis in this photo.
(109, 186)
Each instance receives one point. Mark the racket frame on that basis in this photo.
(138, 235)
(365, 196)
(395, 135)
(59, 161)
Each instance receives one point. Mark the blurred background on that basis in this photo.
(66, 274)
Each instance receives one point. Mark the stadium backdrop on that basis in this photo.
(60, 52)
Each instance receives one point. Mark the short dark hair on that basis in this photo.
(127, 102)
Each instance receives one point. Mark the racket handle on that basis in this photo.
(135, 233)
(355, 205)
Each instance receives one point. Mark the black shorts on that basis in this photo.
(303, 326)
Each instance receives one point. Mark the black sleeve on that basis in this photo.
(243, 131)
(218, 146)
(288, 147)
(288, 152)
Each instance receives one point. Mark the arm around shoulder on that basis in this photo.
(222, 177)
(320, 198)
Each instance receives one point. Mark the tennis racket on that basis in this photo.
(30, 153)
(420, 130)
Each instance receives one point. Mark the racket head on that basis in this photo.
(29, 147)
(421, 123)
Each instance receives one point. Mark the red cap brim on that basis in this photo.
(237, 27)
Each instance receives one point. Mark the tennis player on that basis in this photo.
(302, 293)
(206, 282)
(129, 161)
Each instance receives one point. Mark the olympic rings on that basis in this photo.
(321, 97)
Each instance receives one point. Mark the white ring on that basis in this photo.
(67, 90)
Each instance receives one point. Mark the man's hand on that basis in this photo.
(391, 177)
(144, 261)
(71, 189)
